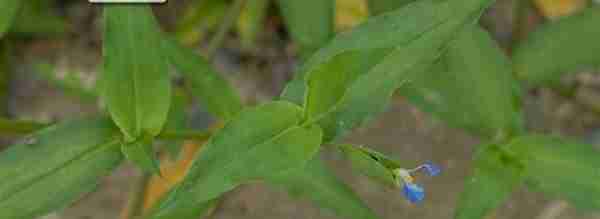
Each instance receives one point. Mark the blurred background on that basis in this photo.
(51, 57)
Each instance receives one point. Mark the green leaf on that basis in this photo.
(561, 168)
(142, 154)
(373, 60)
(252, 21)
(36, 18)
(219, 97)
(258, 143)
(560, 47)
(9, 10)
(470, 87)
(377, 7)
(495, 176)
(371, 163)
(135, 81)
(55, 166)
(479, 105)
(318, 184)
(384, 32)
(310, 22)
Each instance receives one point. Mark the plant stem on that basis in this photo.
(230, 18)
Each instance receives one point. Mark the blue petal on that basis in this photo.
(432, 169)
(413, 192)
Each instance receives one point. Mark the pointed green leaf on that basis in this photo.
(384, 32)
(310, 22)
(135, 81)
(442, 91)
(9, 10)
(258, 143)
(142, 155)
(561, 168)
(55, 166)
(219, 97)
(560, 47)
(495, 176)
(470, 87)
(374, 60)
(371, 163)
(318, 184)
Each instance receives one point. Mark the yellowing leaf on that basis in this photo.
(172, 173)
(349, 13)
(557, 8)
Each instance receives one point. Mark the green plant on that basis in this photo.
(431, 51)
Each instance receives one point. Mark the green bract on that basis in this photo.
(371, 163)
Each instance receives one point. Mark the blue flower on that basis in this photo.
(432, 169)
(413, 192)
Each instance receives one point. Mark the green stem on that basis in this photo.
(230, 18)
